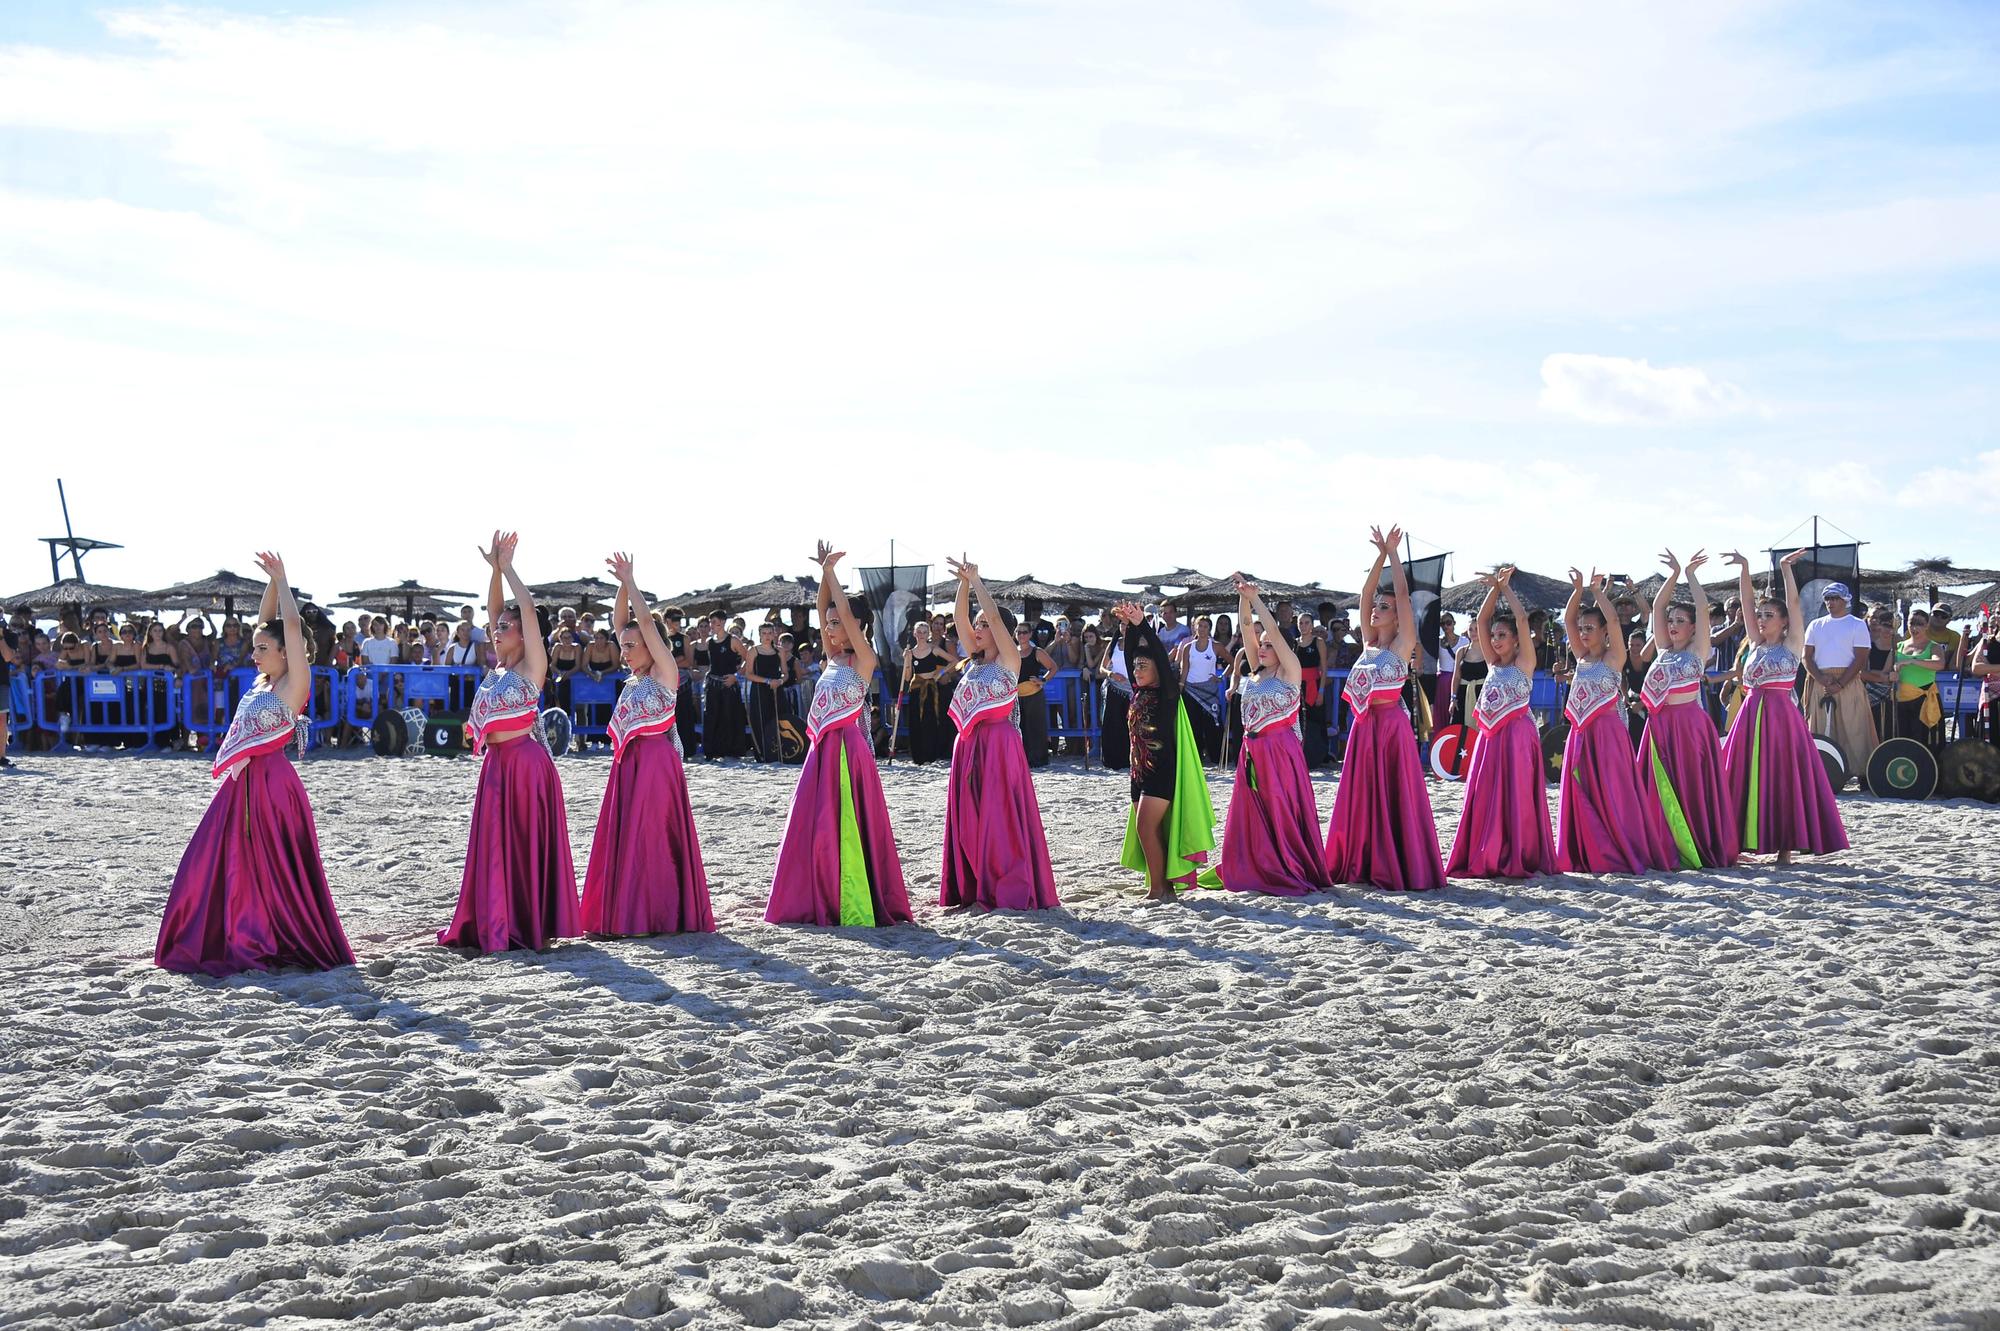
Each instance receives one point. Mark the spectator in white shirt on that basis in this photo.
(1837, 646)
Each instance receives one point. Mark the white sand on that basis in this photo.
(1739, 1099)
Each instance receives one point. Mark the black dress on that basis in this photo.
(924, 704)
(764, 705)
(723, 720)
(1034, 710)
(687, 711)
(1152, 718)
(1312, 716)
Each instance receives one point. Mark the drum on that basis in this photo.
(1554, 740)
(1970, 769)
(1451, 751)
(400, 734)
(557, 731)
(1030, 687)
(1902, 769)
(444, 736)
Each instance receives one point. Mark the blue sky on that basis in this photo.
(1084, 289)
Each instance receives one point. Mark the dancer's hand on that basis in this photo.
(1576, 578)
(1695, 561)
(1735, 559)
(1795, 556)
(272, 564)
(501, 556)
(962, 568)
(1598, 583)
(620, 565)
(1672, 562)
(826, 556)
(1503, 575)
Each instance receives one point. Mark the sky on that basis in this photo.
(1085, 289)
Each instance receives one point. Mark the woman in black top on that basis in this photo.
(1036, 663)
(1312, 693)
(159, 654)
(924, 706)
(723, 720)
(767, 676)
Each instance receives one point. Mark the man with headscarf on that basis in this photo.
(1837, 646)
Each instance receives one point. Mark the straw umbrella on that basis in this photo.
(1536, 592)
(76, 593)
(222, 591)
(583, 591)
(1180, 577)
(406, 593)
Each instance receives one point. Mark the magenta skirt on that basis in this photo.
(995, 852)
(1679, 767)
(1271, 842)
(645, 873)
(1603, 825)
(1383, 832)
(519, 887)
(250, 894)
(1777, 784)
(838, 862)
(1503, 828)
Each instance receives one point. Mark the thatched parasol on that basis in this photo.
(407, 593)
(1214, 593)
(1180, 577)
(1536, 592)
(220, 592)
(580, 591)
(75, 592)
(773, 593)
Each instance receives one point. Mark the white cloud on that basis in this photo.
(1970, 489)
(1615, 390)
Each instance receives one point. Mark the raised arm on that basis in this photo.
(1699, 644)
(534, 647)
(496, 596)
(1524, 641)
(1004, 647)
(1572, 626)
(1615, 649)
(1795, 620)
(279, 603)
(1406, 615)
(1665, 597)
(1746, 590)
(1250, 602)
(630, 599)
(857, 642)
(1482, 623)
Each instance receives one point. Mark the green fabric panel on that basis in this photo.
(1756, 775)
(857, 902)
(1190, 819)
(1676, 819)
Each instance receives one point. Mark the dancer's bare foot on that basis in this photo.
(1784, 859)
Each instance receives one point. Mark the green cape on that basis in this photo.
(1190, 821)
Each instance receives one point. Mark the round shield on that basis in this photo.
(1553, 741)
(1970, 769)
(1451, 751)
(1834, 761)
(556, 729)
(1902, 769)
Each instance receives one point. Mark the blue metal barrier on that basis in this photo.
(20, 700)
(598, 694)
(208, 703)
(432, 689)
(133, 704)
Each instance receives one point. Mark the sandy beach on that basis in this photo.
(1754, 1098)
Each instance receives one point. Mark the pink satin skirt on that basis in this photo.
(1383, 832)
(519, 886)
(995, 852)
(1503, 827)
(1271, 841)
(645, 873)
(250, 894)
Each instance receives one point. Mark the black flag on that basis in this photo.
(1823, 565)
(892, 592)
(1426, 578)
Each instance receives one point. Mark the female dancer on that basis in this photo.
(1171, 828)
(250, 894)
(838, 863)
(1382, 830)
(1603, 826)
(995, 853)
(1271, 842)
(519, 886)
(1777, 784)
(1503, 829)
(1680, 763)
(923, 689)
(723, 719)
(645, 874)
